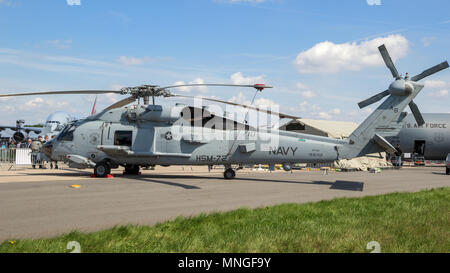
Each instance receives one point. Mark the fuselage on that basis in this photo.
(432, 140)
(161, 141)
(56, 122)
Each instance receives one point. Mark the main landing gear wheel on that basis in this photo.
(229, 174)
(447, 170)
(102, 169)
(131, 170)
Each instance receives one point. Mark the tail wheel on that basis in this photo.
(102, 169)
(229, 174)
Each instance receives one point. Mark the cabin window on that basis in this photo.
(123, 138)
(295, 126)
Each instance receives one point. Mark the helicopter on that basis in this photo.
(139, 135)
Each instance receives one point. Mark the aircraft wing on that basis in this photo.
(37, 130)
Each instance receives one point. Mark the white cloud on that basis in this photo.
(303, 106)
(304, 91)
(240, 98)
(266, 103)
(308, 94)
(427, 41)
(60, 44)
(109, 98)
(435, 84)
(238, 78)
(133, 61)
(7, 3)
(73, 2)
(202, 89)
(336, 111)
(328, 57)
(45, 104)
(373, 2)
(34, 102)
(301, 86)
(324, 115)
(439, 94)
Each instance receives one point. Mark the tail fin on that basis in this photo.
(386, 120)
(93, 106)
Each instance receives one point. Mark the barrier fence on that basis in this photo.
(19, 156)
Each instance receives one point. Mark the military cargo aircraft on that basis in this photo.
(430, 141)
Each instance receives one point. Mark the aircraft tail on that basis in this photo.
(93, 106)
(388, 119)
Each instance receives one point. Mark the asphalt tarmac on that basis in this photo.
(42, 203)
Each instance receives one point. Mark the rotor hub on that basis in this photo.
(401, 87)
(143, 91)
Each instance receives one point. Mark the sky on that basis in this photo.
(320, 56)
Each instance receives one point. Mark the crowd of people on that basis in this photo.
(36, 157)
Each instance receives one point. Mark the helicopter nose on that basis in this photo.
(47, 149)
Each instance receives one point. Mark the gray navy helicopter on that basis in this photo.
(147, 134)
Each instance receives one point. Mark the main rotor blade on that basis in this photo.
(417, 115)
(85, 92)
(121, 103)
(388, 61)
(373, 99)
(257, 86)
(281, 115)
(430, 71)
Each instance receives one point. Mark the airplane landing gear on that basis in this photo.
(102, 169)
(229, 173)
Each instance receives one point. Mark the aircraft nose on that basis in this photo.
(47, 149)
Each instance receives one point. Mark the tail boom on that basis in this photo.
(386, 120)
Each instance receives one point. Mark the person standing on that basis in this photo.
(33, 155)
(398, 156)
(39, 159)
(56, 162)
(51, 161)
(12, 145)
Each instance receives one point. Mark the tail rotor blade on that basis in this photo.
(430, 71)
(373, 99)
(417, 115)
(388, 61)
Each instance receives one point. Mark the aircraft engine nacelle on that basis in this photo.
(400, 87)
(19, 137)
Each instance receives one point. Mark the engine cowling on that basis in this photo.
(159, 113)
(19, 137)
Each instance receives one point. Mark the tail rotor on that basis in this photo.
(402, 86)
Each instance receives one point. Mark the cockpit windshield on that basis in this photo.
(67, 133)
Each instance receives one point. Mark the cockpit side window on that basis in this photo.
(123, 138)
